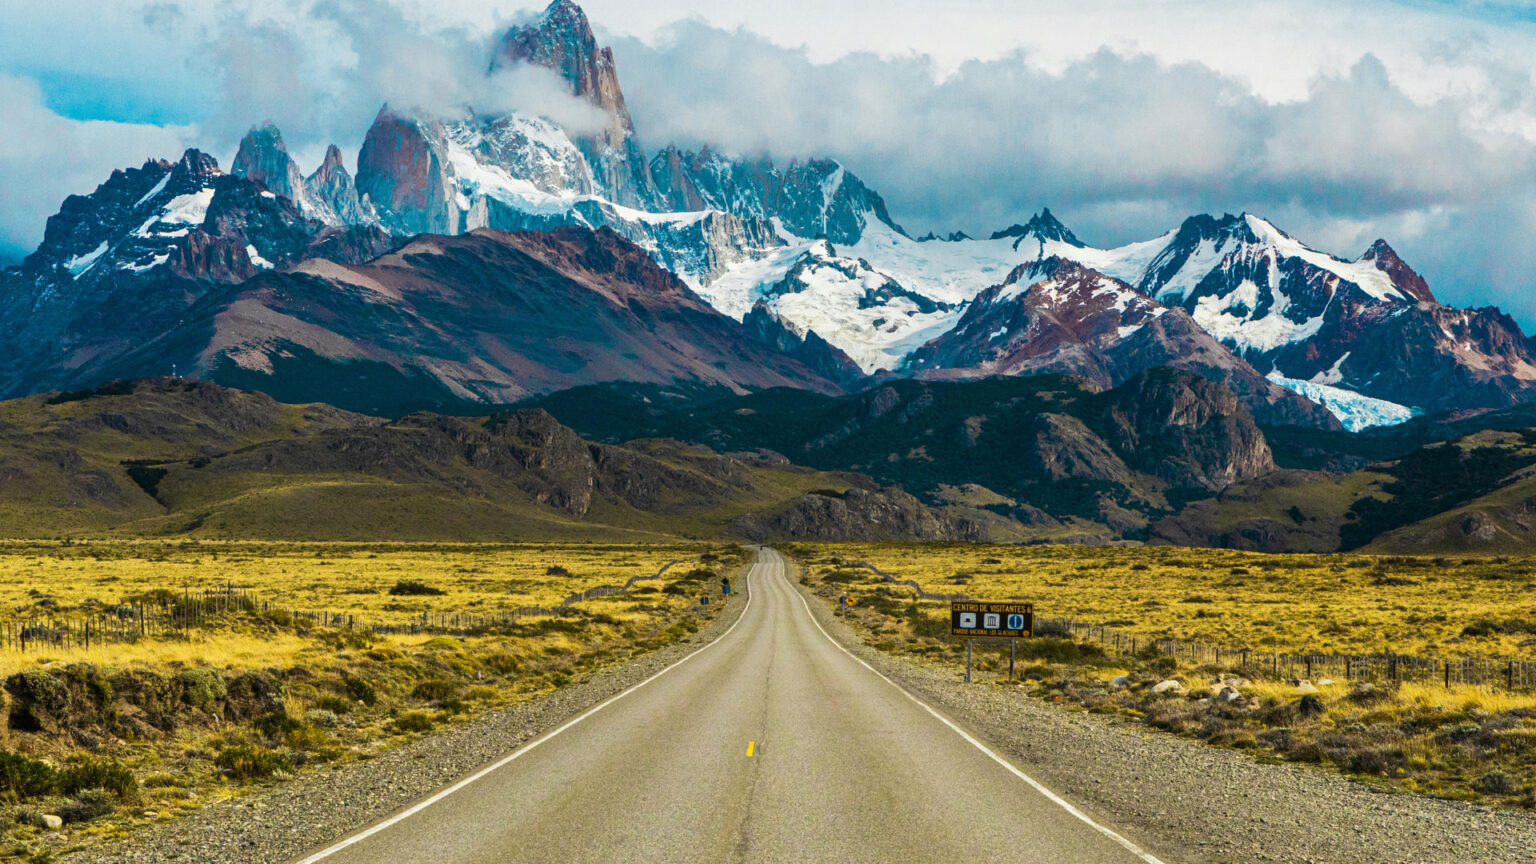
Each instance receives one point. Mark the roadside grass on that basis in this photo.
(1356, 604)
(250, 700)
(1462, 742)
(58, 577)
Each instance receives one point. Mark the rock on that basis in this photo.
(1169, 686)
(52, 822)
(1304, 686)
(1228, 694)
(1325, 682)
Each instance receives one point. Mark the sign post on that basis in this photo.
(973, 619)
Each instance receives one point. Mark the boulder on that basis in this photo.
(1169, 686)
(1227, 695)
(51, 822)
(1304, 686)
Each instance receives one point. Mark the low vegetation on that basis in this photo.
(1458, 742)
(1347, 604)
(104, 739)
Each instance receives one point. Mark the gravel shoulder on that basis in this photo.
(287, 820)
(1195, 804)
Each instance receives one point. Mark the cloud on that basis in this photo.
(1420, 130)
(51, 157)
(322, 78)
(1123, 146)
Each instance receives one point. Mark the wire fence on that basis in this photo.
(1381, 668)
(169, 615)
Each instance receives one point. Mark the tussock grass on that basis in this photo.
(1347, 604)
(1459, 742)
(251, 699)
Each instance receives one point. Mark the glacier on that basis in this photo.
(1357, 412)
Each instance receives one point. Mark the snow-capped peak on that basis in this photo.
(1042, 226)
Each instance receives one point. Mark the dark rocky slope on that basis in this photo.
(172, 456)
(452, 322)
(1051, 452)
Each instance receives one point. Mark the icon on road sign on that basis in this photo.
(985, 619)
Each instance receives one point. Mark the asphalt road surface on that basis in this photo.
(770, 744)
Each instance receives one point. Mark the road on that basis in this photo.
(770, 744)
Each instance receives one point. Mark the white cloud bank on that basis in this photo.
(44, 157)
(1123, 117)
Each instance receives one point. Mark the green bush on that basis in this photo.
(334, 704)
(1052, 649)
(1495, 782)
(414, 721)
(320, 717)
(435, 690)
(89, 772)
(22, 777)
(306, 737)
(250, 763)
(89, 804)
(361, 690)
(201, 688)
(275, 725)
(412, 588)
(501, 664)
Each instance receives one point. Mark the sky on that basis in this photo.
(1413, 120)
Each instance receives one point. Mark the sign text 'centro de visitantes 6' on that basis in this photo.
(1006, 620)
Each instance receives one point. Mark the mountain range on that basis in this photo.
(481, 259)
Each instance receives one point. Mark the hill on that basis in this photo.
(175, 457)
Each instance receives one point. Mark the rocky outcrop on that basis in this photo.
(1186, 430)
(263, 157)
(816, 198)
(766, 327)
(857, 515)
(561, 40)
(1041, 227)
(403, 169)
(333, 188)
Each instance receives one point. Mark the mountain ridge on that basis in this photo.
(802, 248)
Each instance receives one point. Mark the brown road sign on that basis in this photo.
(991, 620)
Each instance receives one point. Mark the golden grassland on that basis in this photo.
(1347, 604)
(1462, 742)
(162, 712)
(48, 577)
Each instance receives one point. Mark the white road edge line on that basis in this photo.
(522, 751)
(1061, 802)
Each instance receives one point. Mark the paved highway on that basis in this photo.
(770, 744)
